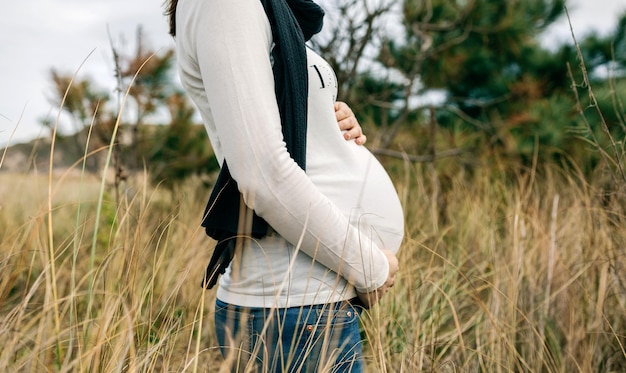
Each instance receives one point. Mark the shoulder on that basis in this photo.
(226, 10)
(227, 17)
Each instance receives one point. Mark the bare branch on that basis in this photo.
(420, 158)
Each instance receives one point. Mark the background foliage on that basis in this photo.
(508, 158)
(457, 77)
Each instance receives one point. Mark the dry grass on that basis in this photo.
(522, 276)
(497, 276)
(501, 271)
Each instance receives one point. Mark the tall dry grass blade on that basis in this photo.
(8, 144)
(73, 315)
(551, 253)
(102, 193)
(618, 104)
(51, 252)
(617, 157)
(199, 332)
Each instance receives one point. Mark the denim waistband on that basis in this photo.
(348, 303)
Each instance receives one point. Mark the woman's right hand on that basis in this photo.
(371, 298)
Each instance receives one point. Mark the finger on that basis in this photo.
(344, 116)
(353, 133)
(340, 105)
(342, 111)
(348, 123)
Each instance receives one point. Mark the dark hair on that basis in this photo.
(171, 14)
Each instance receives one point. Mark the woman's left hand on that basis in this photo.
(348, 123)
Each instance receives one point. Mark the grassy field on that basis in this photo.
(499, 273)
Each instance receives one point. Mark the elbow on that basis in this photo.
(261, 182)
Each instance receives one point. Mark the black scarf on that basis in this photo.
(293, 22)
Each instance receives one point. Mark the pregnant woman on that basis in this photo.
(327, 220)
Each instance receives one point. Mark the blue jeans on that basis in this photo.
(318, 338)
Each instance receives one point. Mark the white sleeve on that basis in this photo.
(232, 41)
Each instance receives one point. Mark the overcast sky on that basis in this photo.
(37, 35)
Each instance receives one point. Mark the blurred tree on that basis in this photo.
(180, 149)
(479, 62)
(469, 67)
(80, 101)
(146, 76)
(173, 148)
(484, 54)
(354, 33)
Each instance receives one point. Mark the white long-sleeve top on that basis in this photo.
(331, 221)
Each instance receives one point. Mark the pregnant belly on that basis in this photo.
(361, 187)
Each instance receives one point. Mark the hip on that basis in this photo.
(303, 338)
